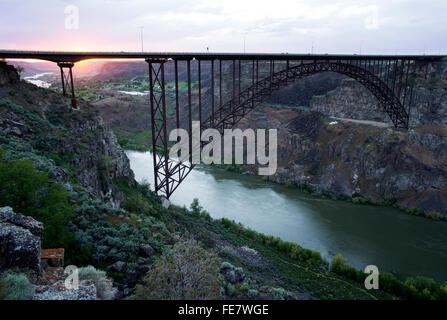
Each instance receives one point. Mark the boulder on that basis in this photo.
(20, 243)
(119, 266)
(142, 270)
(7, 215)
(146, 250)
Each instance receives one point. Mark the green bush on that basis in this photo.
(252, 293)
(428, 289)
(420, 288)
(341, 266)
(2, 288)
(137, 203)
(103, 288)
(291, 249)
(15, 286)
(32, 193)
(389, 283)
(435, 215)
(197, 209)
(306, 188)
(195, 206)
(290, 185)
(389, 199)
(188, 271)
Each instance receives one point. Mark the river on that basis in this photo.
(37, 82)
(365, 235)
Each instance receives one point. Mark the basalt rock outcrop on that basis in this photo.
(352, 100)
(20, 243)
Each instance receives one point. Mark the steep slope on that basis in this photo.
(35, 120)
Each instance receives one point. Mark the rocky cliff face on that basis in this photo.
(352, 100)
(349, 158)
(373, 160)
(79, 143)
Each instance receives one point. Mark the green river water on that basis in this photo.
(365, 235)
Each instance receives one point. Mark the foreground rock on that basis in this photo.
(20, 243)
(52, 287)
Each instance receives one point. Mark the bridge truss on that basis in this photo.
(390, 81)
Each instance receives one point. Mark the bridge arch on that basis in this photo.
(233, 110)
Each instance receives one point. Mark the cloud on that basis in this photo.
(337, 26)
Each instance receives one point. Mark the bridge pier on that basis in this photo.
(67, 81)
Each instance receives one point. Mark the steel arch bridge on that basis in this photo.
(252, 78)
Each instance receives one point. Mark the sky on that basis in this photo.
(276, 26)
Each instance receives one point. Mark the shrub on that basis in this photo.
(16, 286)
(195, 206)
(340, 266)
(227, 223)
(252, 293)
(2, 288)
(414, 211)
(389, 283)
(31, 192)
(434, 215)
(103, 288)
(292, 250)
(289, 185)
(231, 290)
(389, 199)
(188, 271)
(197, 209)
(413, 288)
(428, 289)
(145, 188)
(306, 188)
(137, 203)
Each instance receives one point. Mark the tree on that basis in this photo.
(32, 193)
(187, 272)
(19, 69)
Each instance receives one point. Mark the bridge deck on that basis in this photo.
(56, 56)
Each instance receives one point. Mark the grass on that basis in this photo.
(278, 267)
(140, 141)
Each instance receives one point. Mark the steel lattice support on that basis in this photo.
(67, 81)
(387, 80)
(167, 174)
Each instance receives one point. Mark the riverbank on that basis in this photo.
(133, 143)
(274, 262)
(364, 234)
